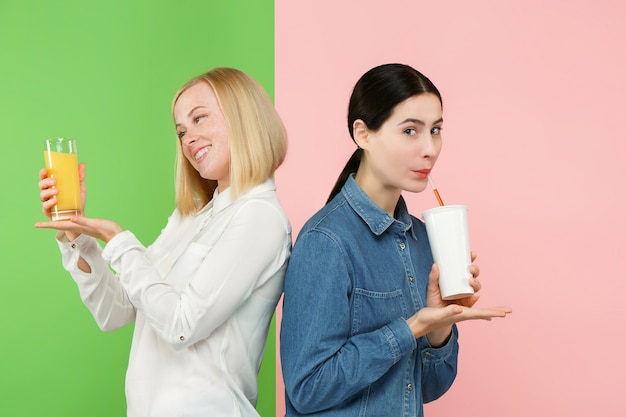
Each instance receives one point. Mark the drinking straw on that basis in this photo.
(432, 185)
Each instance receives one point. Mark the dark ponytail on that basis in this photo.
(374, 98)
(351, 167)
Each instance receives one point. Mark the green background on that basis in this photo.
(104, 72)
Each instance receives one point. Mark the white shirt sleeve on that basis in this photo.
(99, 289)
(237, 252)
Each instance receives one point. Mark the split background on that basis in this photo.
(534, 145)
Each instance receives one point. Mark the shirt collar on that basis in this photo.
(376, 218)
(223, 199)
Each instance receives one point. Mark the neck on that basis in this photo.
(384, 197)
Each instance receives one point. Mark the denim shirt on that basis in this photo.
(355, 275)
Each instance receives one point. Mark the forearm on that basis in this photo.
(439, 337)
(99, 288)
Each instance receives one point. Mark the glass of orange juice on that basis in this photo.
(62, 164)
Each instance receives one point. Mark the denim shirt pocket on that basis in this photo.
(375, 309)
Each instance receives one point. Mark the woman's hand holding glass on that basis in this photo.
(102, 229)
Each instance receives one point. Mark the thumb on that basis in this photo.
(454, 309)
(82, 221)
(81, 171)
(433, 277)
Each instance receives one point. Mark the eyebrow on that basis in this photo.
(419, 122)
(190, 113)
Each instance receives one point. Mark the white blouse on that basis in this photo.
(202, 297)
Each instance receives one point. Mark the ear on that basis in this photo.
(361, 133)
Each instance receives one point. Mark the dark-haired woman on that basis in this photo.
(365, 331)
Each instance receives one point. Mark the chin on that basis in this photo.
(414, 188)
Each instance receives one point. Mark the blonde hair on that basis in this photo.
(256, 135)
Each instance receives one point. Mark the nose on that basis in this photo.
(189, 138)
(429, 147)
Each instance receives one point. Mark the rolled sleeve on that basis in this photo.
(399, 337)
(439, 366)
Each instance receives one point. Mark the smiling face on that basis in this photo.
(400, 155)
(203, 133)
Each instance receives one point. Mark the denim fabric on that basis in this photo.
(355, 275)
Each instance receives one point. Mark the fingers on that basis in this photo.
(63, 225)
(84, 222)
(47, 193)
(474, 270)
(46, 205)
(481, 313)
(503, 309)
(45, 181)
(468, 301)
(455, 313)
(429, 319)
(102, 229)
(58, 225)
(81, 180)
(475, 284)
(458, 313)
(488, 313)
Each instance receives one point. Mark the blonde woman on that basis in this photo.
(203, 294)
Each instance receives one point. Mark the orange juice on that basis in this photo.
(63, 167)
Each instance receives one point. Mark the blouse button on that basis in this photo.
(73, 245)
(412, 279)
(409, 387)
(402, 246)
(182, 338)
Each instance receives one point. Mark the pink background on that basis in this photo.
(534, 145)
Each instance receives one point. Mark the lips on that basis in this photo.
(200, 153)
(422, 173)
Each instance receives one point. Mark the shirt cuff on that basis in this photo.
(399, 338)
(431, 354)
(82, 242)
(83, 245)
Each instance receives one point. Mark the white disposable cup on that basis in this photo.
(448, 235)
